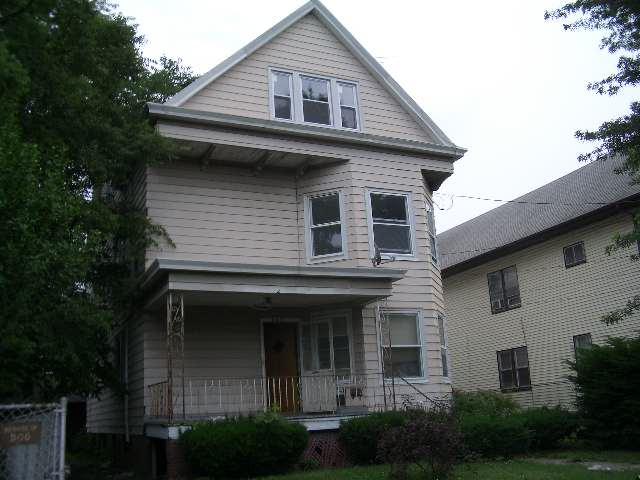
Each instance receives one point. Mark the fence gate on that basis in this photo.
(32, 441)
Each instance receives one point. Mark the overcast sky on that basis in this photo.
(495, 76)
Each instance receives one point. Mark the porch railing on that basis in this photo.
(210, 397)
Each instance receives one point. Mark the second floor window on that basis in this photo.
(504, 291)
(574, 255)
(391, 223)
(325, 225)
(513, 369)
(323, 101)
(431, 231)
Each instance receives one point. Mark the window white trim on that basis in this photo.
(424, 378)
(411, 222)
(327, 316)
(308, 237)
(335, 115)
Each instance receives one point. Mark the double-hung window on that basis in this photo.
(574, 255)
(513, 369)
(444, 351)
(325, 230)
(326, 346)
(314, 100)
(282, 87)
(402, 345)
(391, 223)
(431, 231)
(504, 290)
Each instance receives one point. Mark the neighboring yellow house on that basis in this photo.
(301, 160)
(527, 283)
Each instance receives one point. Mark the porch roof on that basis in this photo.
(233, 284)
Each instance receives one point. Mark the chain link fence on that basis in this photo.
(32, 441)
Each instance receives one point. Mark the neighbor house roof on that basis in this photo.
(584, 195)
(342, 34)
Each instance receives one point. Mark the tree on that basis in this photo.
(620, 19)
(73, 131)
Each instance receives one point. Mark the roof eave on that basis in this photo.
(158, 111)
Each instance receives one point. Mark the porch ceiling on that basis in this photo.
(229, 284)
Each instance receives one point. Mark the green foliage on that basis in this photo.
(607, 383)
(73, 87)
(549, 426)
(495, 436)
(429, 441)
(360, 436)
(244, 447)
(483, 403)
(620, 20)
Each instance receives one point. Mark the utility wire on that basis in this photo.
(531, 202)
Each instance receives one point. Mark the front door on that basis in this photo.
(281, 366)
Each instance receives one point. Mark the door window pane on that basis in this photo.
(341, 358)
(324, 346)
(307, 351)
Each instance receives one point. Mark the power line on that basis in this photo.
(531, 202)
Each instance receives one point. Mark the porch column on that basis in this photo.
(175, 353)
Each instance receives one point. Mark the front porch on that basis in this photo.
(301, 341)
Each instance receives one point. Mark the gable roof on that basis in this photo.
(342, 34)
(586, 194)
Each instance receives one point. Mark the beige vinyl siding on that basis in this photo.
(308, 47)
(557, 303)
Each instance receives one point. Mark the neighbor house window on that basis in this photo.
(444, 354)
(513, 369)
(391, 223)
(581, 342)
(504, 291)
(309, 99)
(282, 99)
(325, 230)
(402, 345)
(574, 255)
(431, 231)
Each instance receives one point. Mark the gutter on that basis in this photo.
(159, 111)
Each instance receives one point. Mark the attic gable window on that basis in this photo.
(309, 99)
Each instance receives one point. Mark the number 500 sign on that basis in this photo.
(19, 434)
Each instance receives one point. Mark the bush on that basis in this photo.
(548, 426)
(430, 441)
(607, 384)
(495, 436)
(360, 436)
(244, 447)
(483, 403)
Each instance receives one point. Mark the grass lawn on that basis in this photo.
(616, 456)
(505, 470)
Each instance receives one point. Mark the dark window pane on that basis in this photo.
(581, 342)
(348, 117)
(512, 289)
(327, 240)
(315, 89)
(282, 107)
(281, 84)
(325, 209)
(388, 208)
(524, 379)
(392, 238)
(434, 248)
(521, 357)
(496, 293)
(579, 253)
(507, 380)
(445, 363)
(405, 361)
(441, 330)
(347, 95)
(316, 112)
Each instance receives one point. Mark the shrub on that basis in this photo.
(360, 436)
(430, 441)
(495, 436)
(548, 426)
(244, 447)
(483, 403)
(607, 385)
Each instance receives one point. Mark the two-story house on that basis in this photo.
(527, 284)
(300, 273)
